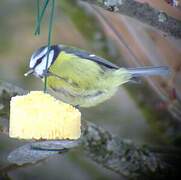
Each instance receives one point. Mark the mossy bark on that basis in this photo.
(142, 12)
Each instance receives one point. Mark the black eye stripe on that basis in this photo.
(37, 62)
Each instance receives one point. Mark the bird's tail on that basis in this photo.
(149, 71)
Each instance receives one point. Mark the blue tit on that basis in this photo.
(81, 78)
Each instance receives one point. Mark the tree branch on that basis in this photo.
(126, 158)
(142, 12)
(119, 155)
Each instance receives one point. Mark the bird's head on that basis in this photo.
(38, 61)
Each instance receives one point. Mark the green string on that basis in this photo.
(49, 41)
(40, 15)
(37, 29)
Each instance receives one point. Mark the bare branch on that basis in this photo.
(144, 13)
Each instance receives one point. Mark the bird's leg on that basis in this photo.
(135, 80)
(46, 73)
(77, 106)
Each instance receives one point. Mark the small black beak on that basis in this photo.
(31, 71)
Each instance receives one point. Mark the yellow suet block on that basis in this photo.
(40, 116)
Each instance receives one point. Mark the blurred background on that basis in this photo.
(148, 112)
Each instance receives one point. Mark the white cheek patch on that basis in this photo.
(40, 68)
(35, 57)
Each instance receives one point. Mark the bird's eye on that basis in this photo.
(38, 62)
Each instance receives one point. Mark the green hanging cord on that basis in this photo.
(40, 15)
(49, 41)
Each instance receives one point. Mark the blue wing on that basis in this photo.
(86, 55)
